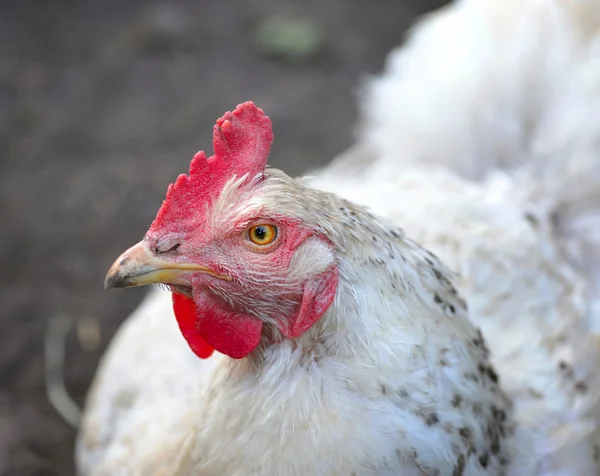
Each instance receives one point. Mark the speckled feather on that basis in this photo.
(398, 377)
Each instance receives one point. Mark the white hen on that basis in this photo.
(481, 141)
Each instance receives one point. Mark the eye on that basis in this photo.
(262, 234)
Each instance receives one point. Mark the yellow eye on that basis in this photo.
(262, 234)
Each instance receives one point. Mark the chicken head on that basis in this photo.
(233, 257)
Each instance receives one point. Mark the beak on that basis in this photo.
(139, 266)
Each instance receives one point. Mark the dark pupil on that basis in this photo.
(260, 232)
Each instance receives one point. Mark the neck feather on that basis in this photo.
(393, 296)
(397, 339)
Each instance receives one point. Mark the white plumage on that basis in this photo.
(481, 141)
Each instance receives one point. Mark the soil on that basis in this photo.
(103, 103)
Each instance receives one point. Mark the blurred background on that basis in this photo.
(102, 104)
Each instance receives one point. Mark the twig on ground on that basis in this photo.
(54, 353)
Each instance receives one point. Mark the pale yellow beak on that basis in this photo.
(139, 266)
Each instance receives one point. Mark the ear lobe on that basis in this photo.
(316, 299)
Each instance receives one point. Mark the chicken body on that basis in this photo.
(488, 170)
(350, 404)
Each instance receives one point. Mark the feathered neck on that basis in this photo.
(398, 333)
(392, 295)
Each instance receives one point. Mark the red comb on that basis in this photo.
(241, 141)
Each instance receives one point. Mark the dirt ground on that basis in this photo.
(102, 104)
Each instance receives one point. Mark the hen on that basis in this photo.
(343, 346)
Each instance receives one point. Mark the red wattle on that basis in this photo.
(214, 328)
(229, 332)
(185, 313)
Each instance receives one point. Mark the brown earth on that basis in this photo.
(102, 104)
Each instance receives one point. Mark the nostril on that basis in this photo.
(167, 246)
